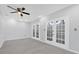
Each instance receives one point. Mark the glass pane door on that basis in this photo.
(37, 31)
(50, 31)
(33, 30)
(60, 31)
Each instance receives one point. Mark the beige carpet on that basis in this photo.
(30, 46)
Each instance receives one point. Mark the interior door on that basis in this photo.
(60, 31)
(33, 31)
(37, 31)
(50, 31)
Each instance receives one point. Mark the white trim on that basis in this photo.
(17, 38)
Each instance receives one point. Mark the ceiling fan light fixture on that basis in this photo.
(19, 13)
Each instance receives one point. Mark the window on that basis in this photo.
(37, 31)
(49, 32)
(34, 31)
(60, 31)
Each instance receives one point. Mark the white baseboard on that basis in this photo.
(17, 38)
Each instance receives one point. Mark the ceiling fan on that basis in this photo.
(20, 11)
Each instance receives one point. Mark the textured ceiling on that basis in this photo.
(35, 10)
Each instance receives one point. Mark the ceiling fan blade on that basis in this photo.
(26, 13)
(13, 12)
(21, 14)
(11, 7)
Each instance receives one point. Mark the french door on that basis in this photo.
(36, 31)
(58, 32)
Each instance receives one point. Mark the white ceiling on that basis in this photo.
(34, 9)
